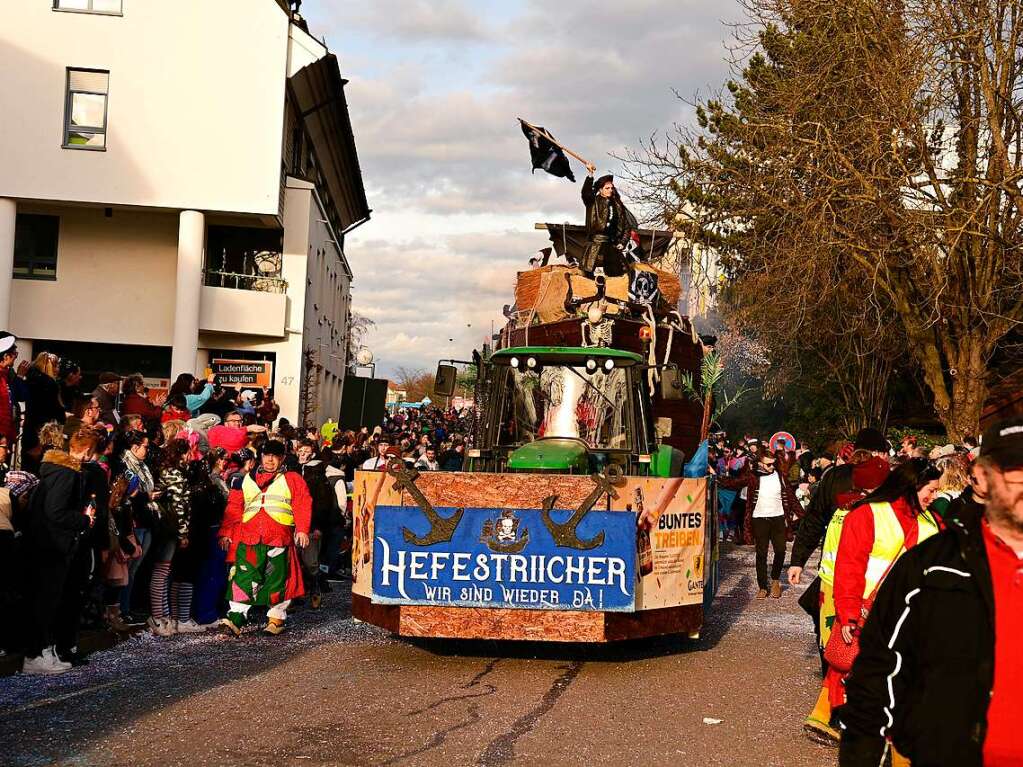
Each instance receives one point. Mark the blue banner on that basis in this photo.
(505, 558)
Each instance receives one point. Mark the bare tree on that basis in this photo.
(867, 152)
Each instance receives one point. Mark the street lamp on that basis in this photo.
(364, 359)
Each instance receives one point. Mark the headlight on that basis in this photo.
(514, 362)
(609, 365)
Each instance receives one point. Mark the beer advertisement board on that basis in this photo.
(676, 539)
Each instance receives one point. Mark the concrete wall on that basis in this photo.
(325, 321)
(195, 106)
(115, 279)
(252, 312)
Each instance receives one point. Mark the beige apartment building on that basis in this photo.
(177, 180)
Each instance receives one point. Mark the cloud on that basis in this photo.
(445, 165)
(423, 22)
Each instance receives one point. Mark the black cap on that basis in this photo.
(1003, 443)
(871, 440)
(273, 447)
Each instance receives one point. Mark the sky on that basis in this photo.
(435, 87)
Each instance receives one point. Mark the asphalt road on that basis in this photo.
(335, 692)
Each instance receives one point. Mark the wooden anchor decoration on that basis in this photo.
(565, 534)
(442, 529)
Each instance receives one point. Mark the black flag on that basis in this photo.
(546, 154)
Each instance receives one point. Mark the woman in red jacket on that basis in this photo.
(876, 532)
(136, 402)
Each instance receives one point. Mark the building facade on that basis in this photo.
(176, 183)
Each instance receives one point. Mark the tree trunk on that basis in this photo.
(969, 390)
(708, 409)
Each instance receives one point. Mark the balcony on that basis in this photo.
(243, 292)
(243, 312)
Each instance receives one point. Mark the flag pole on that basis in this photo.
(556, 143)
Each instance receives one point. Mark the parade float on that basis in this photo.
(571, 520)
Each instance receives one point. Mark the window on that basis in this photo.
(89, 6)
(85, 111)
(35, 247)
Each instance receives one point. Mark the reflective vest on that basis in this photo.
(889, 540)
(829, 553)
(275, 501)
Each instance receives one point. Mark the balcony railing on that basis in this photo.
(258, 282)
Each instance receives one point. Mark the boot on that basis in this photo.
(112, 616)
(274, 626)
(762, 594)
(776, 589)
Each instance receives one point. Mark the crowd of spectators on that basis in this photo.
(865, 504)
(111, 499)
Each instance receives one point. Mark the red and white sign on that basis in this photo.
(787, 440)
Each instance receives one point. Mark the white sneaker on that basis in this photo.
(189, 627)
(161, 627)
(51, 653)
(43, 665)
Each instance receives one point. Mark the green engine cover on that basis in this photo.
(667, 462)
(551, 454)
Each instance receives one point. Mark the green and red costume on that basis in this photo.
(262, 517)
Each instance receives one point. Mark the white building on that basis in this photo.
(176, 182)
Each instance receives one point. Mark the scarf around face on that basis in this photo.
(136, 468)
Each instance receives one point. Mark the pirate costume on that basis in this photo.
(609, 225)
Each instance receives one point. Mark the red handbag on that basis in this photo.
(839, 655)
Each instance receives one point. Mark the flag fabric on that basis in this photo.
(545, 154)
(634, 249)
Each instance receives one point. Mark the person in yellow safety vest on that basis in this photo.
(268, 514)
(869, 472)
(875, 533)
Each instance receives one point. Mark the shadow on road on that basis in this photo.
(733, 597)
(47, 720)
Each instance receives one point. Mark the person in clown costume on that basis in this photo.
(268, 514)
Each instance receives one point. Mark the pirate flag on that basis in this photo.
(545, 153)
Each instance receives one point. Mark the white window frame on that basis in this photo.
(90, 9)
(94, 129)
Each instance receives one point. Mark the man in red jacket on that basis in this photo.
(267, 515)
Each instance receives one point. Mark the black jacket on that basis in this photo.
(56, 518)
(930, 691)
(325, 510)
(823, 502)
(43, 405)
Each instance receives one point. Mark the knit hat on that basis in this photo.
(870, 474)
(872, 440)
